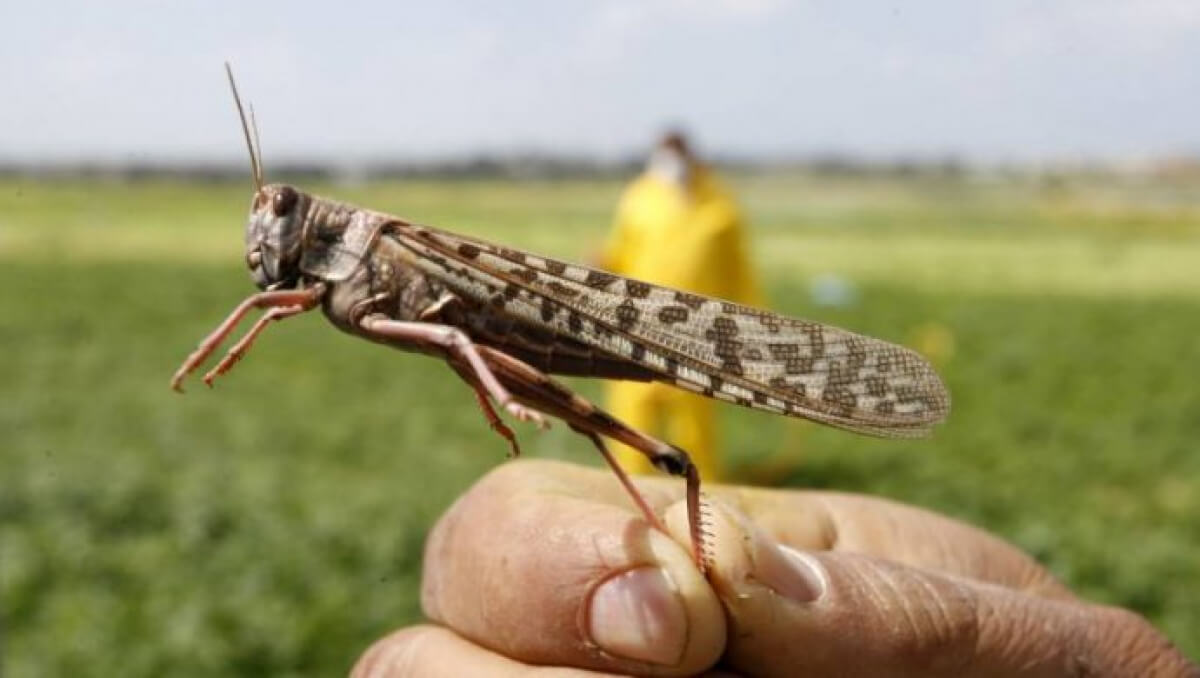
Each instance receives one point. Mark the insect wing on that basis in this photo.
(738, 354)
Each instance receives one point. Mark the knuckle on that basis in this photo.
(923, 621)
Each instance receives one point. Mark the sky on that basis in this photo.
(342, 81)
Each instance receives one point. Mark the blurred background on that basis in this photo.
(1011, 188)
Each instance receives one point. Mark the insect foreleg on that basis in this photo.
(547, 395)
(243, 345)
(307, 298)
(458, 347)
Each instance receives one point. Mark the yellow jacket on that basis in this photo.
(690, 240)
(693, 242)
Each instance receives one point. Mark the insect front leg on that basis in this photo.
(306, 299)
(532, 386)
(243, 345)
(457, 347)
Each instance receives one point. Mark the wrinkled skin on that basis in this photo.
(542, 569)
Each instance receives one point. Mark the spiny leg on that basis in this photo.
(243, 345)
(457, 346)
(270, 299)
(664, 457)
(539, 390)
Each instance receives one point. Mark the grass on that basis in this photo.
(274, 526)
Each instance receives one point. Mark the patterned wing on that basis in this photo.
(723, 350)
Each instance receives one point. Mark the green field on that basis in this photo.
(274, 526)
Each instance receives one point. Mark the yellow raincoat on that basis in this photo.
(690, 240)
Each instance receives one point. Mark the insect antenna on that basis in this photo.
(251, 146)
(257, 152)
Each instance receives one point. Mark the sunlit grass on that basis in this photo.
(927, 237)
(274, 525)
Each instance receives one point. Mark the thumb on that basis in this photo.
(793, 612)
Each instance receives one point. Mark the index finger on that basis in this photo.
(833, 521)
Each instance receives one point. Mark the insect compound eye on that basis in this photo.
(283, 201)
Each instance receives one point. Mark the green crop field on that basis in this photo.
(274, 525)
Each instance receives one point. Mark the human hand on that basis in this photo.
(545, 569)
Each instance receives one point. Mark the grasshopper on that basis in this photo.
(504, 320)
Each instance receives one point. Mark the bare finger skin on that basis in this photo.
(827, 521)
(520, 566)
(558, 568)
(793, 612)
(834, 521)
(435, 652)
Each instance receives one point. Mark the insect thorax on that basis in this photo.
(381, 282)
(337, 239)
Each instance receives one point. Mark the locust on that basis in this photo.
(506, 320)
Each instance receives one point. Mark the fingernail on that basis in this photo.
(638, 615)
(790, 573)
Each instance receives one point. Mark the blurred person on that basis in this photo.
(677, 226)
(542, 569)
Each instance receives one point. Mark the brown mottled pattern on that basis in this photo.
(725, 345)
(736, 353)
(876, 386)
(637, 289)
(575, 323)
(692, 301)
(816, 339)
(627, 315)
(840, 399)
(526, 275)
(599, 279)
(672, 314)
(562, 290)
(513, 255)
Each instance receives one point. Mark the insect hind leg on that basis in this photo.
(495, 422)
(537, 389)
(461, 353)
(668, 459)
(622, 476)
